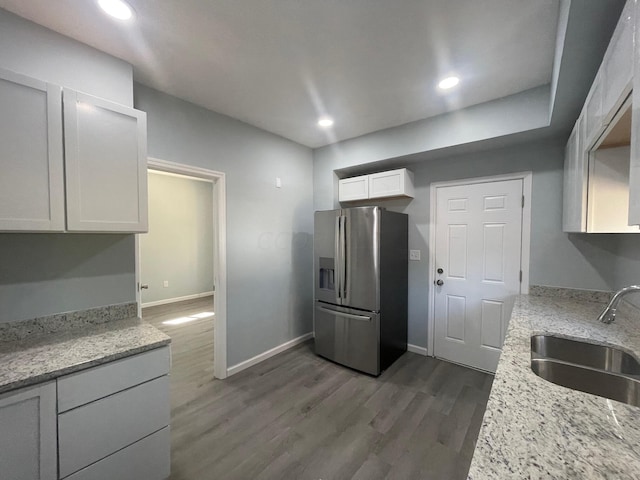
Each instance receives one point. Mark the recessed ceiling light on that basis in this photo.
(117, 9)
(449, 82)
(325, 122)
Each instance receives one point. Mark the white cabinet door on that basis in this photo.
(31, 157)
(618, 64)
(106, 174)
(28, 437)
(355, 188)
(593, 113)
(574, 207)
(394, 183)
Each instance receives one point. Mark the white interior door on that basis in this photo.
(478, 262)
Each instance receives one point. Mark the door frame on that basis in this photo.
(219, 253)
(525, 249)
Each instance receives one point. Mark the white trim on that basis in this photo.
(219, 254)
(525, 251)
(268, 354)
(177, 299)
(416, 349)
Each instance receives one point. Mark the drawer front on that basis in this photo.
(148, 459)
(83, 387)
(95, 431)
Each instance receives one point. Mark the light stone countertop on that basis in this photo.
(44, 357)
(533, 429)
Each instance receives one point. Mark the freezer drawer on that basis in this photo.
(349, 337)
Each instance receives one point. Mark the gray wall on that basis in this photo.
(33, 50)
(269, 230)
(179, 245)
(599, 262)
(42, 274)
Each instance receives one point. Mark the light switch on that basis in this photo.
(278, 182)
(414, 254)
(165, 284)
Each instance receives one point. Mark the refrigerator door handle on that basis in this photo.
(338, 256)
(345, 315)
(343, 259)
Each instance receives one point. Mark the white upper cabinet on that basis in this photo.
(395, 183)
(354, 188)
(31, 157)
(634, 168)
(392, 183)
(617, 65)
(99, 178)
(574, 187)
(593, 113)
(105, 153)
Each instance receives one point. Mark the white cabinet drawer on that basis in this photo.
(83, 387)
(147, 459)
(355, 188)
(94, 431)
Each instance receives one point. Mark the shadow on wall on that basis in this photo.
(600, 250)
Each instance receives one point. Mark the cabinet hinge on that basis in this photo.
(522, 201)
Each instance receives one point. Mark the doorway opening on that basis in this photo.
(200, 315)
(479, 261)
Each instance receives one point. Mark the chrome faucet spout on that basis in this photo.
(608, 315)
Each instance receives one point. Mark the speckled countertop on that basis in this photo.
(533, 429)
(43, 357)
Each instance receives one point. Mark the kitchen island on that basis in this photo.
(535, 429)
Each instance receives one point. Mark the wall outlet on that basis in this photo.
(165, 284)
(414, 254)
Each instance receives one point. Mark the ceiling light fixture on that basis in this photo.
(449, 82)
(117, 9)
(325, 122)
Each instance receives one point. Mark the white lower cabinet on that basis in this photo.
(113, 420)
(94, 431)
(28, 433)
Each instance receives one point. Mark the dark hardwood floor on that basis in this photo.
(297, 416)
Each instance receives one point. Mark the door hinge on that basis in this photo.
(520, 276)
(522, 201)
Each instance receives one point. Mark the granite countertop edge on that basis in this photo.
(43, 358)
(535, 429)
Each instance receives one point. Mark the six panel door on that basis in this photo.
(478, 247)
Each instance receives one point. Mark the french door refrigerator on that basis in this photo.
(361, 270)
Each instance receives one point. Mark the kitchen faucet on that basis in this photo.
(608, 315)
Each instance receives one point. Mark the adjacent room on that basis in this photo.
(264, 239)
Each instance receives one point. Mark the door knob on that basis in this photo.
(144, 287)
(439, 283)
(440, 271)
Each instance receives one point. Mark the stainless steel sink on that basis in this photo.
(597, 382)
(610, 359)
(605, 371)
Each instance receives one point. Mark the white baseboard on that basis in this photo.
(268, 354)
(417, 349)
(177, 299)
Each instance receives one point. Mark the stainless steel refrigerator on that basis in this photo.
(361, 270)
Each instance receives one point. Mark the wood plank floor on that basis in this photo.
(297, 416)
(191, 346)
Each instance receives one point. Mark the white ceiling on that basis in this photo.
(279, 64)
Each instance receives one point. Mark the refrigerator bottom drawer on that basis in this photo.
(348, 337)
